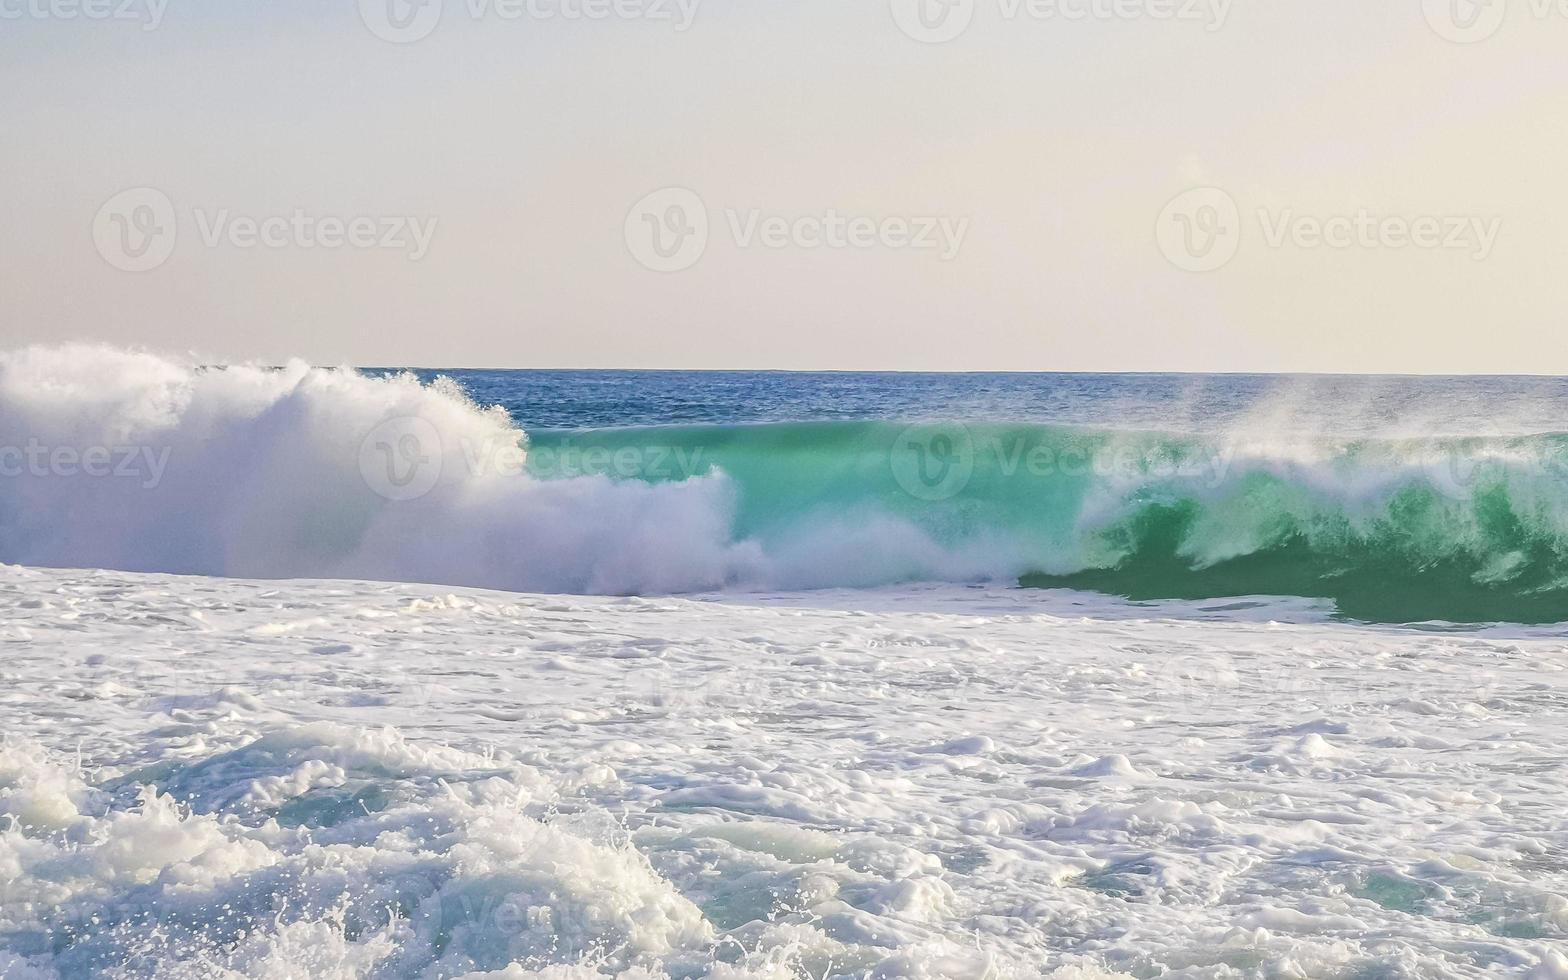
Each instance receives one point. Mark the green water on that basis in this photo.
(1457, 530)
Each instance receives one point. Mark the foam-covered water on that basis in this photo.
(205, 777)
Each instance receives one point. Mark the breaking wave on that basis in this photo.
(133, 461)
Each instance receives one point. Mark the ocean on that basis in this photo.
(570, 674)
(1398, 499)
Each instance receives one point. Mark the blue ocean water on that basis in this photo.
(1398, 498)
(1349, 405)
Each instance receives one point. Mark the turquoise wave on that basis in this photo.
(1398, 530)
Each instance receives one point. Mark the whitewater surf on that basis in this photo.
(300, 472)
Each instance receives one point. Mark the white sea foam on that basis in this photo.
(205, 777)
(253, 471)
(415, 861)
(262, 473)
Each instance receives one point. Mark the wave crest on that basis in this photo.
(118, 459)
(301, 472)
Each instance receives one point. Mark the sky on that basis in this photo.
(1034, 185)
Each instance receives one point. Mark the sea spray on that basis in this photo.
(302, 472)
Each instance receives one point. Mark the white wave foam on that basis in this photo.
(957, 783)
(327, 851)
(273, 473)
(415, 861)
(300, 472)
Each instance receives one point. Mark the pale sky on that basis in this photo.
(1038, 148)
